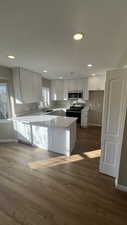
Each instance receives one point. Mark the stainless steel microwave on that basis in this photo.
(75, 95)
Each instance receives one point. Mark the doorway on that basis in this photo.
(95, 107)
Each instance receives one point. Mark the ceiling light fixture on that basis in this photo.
(60, 77)
(45, 71)
(125, 66)
(90, 65)
(11, 57)
(93, 74)
(78, 36)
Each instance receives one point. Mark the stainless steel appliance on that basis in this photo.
(75, 95)
(75, 111)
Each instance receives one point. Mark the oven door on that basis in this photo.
(76, 114)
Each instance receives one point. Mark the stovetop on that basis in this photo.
(75, 108)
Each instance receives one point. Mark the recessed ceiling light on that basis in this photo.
(11, 57)
(78, 36)
(45, 71)
(93, 74)
(125, 66)
(90, 65)
(60, 77)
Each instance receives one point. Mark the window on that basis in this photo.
(3, 101)
(45, 96)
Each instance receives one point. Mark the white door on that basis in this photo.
(113, 121)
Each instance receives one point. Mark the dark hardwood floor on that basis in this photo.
(43, 188)
(88, 139)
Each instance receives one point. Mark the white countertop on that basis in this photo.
(40, 112)
(47, 120)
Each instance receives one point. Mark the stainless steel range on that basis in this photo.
(75, 111)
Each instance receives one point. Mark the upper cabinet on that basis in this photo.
(96, 83)
(57, 90)
(60, 88)
(27, 86)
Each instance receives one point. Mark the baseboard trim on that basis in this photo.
(121, 187)
(84, 126)
(107, 169)
(94, 124)
(8, 140)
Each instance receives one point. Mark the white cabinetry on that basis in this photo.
(96, 83)
(49, 134)
(84, 86)
(27, 86)
(42, 137)
(26, 83)
(37, 87)
(84, 117)
(57, 90)
(60, 88)
(23, 131)
(49, 138)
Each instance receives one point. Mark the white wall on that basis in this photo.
(96, 82)
(7, 132)
(6, 127)
(122, 178)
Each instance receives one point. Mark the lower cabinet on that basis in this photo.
(84, 117)
(23, 132)
(42, 137)
(84, 121)
(59, 140)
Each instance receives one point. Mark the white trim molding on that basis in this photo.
(106, 168)
(94, 124)
(122, 187)
(7, 140)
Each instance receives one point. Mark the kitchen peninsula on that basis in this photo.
(53, 133)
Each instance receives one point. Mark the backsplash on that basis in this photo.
(63, 103)
(23, 108)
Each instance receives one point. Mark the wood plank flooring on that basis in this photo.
(43, 188)
(88, 139)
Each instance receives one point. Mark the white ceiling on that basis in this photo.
(39, 33)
